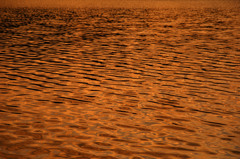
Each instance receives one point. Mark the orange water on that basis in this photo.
(119, 83)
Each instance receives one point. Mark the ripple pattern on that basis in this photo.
(119, 83)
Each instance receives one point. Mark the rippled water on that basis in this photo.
(119, 83)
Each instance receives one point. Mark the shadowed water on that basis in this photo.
(119, 83)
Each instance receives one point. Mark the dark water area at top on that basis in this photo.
(119, 83)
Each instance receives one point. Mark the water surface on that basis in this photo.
(119, 83)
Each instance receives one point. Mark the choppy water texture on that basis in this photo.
(119, 83)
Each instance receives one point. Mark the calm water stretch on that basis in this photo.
(119, 83)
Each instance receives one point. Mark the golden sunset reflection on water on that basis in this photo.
(116, 82)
